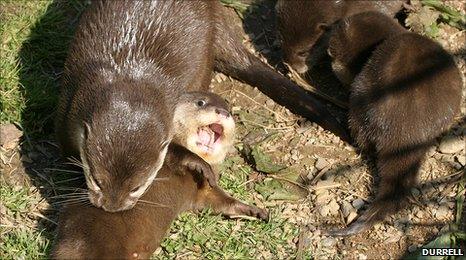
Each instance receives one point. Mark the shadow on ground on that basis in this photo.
(41, 61)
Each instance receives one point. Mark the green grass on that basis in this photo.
(35, 38)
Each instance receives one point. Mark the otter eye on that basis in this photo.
(201, 103)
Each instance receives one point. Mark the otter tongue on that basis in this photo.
(216, 128)
(205, 136)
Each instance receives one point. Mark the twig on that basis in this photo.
(302, 83)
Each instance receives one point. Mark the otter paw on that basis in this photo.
(204, 169)
(253, 211)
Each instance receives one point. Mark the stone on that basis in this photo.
(358, 203)
(321, 163)
(333, 207)
(346, 208)
(351, 216)
(328, 242)
(451, 144)
(9, 136)
(442, 212)
(461, 159)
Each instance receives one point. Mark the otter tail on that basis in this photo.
(398, 171)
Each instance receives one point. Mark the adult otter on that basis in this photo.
(302, 22)
(86, 232)
(405, 95)
(128, 65)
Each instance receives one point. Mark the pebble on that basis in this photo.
(333, 207)
(328, 242)
(346, 208)
(358, 203)
(321, 163)
(451, 144)
(324, 211)
(362, 257)
(323, 197)
(9, 136)
(442, 212)
(461, 159)
(412, 248)
(415, 192)
(351, 217)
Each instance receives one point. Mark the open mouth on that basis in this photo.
(209, 136)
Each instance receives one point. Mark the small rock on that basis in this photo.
(324, 211)
(415, 192)
(451, 144)
(328, 242)
(362, 257)
(461, 159)
(321, 163)
(358, 203)
(352, 215)
(269, 103)
(412, 248)
(442, 212)
(333, 207)
(323, 198)
(346, 208)
(9, 136)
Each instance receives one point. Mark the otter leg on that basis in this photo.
(398, 171)
(179, 158)
(233, 59)
(222, 203)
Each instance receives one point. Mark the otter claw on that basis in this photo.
(205, 170)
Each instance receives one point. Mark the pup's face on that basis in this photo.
(120, 169)
(300, 25)
(203, 124)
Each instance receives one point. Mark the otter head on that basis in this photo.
(122, 149)
(204, 125)
(300, 25)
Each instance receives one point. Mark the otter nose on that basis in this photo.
(222, 112)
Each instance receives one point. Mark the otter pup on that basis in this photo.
(128, 64)
(302, 22)
(204, 125)
(405, 95)
(350, 46)
(86, 232)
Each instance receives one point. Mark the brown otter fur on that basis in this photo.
(128, 65)
(86, 232)
(406, 95)
(302, 22)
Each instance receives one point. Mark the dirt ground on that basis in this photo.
(327, 182)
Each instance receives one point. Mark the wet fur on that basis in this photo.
(406, 95)
(86, 232)
(302, 22)
(128, 64)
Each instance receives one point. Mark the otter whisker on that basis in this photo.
(153, 203)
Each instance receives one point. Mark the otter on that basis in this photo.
(128, 64)
(349, 46)
(204, 125)
(405, 93)
(302, 22)
(86, 232)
